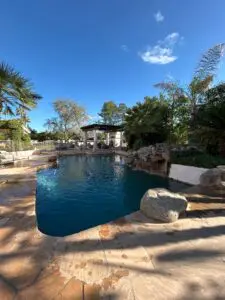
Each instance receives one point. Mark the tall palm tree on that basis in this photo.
(15, 91)
(201, 81)
(21, 112)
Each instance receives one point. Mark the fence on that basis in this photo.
(12, 146)
(54, 145)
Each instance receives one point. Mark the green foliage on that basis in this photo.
(70, 116)
(113, 114)
(45, 135)
(210, 120)
(15, 91)
(101, 136)
(209, 62)
(192, 117)
(26, 141)
(146, 123)
(13, 130)
(22, 114)
(201, 160)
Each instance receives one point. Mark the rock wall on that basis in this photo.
(154, 159)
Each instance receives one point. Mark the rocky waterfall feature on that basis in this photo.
(154, 159)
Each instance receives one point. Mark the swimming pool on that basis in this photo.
(85, 191)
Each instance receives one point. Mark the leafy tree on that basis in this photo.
(186, 100)
(108, 112)
(33, 134)
(113, 114)
(178, 112)
(146, 123)
(13, 130)
(15, 91)
(121, 112)
(70, 117)
(210, 120)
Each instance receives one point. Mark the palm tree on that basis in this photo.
(21, 112)
(189, 98)
(200, 83)
(15, 91)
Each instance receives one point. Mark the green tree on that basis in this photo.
(108, 112)
(45, 136)
(121, 112)
(186, 100)
(21, 112)
(33, 134)
(210, 120)
(13, 130)
(146, 123)
(70, 117)
(178, 111)
(113, 114)
(15, 91)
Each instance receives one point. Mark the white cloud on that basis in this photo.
(172, 38)
(158, 55)
(162, 52)
(158, 16)
(93, 118)
(124, 48)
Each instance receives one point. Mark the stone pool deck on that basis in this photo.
(130, 258)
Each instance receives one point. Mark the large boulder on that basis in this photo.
(154, 158)
(154, 153)
(222, 169)
(130, 158)
(212, 178)
(163, 205)
(7, 292)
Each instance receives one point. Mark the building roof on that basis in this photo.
(102, 127)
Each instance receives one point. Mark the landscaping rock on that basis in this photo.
(212, 178)
(154, 158)
(7, 292)
(52, 159)
(129, 159)
(222, 169)
(163, 205)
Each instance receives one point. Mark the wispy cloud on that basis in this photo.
(159, 17)
(163, 52)
(169, 77)
(124, 48)
(93, 118)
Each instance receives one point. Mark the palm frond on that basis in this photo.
(15, 90)
(210, 60)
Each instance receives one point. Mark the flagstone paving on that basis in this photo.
(130, 258)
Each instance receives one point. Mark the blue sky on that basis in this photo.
(97, 50)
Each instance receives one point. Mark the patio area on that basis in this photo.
(130, 258)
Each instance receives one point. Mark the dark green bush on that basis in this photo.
(201, 160)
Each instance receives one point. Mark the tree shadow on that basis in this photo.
(26, 254)
(207, 289)
(195, 255)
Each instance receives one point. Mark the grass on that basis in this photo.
(201, 160)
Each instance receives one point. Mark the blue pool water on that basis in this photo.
(86, 191)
